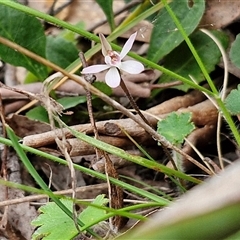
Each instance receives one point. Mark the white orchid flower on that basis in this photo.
(114, 62)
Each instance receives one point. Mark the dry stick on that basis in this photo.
(4, 152)
(53, 12)
(90, 78)
(4, 220)
(83, 189)
(115, 193)
(54, 109)
(62, 144)
(123, 9)
(104, 97)
(135, 106)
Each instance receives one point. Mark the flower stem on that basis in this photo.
(132, 102)
(135, 106)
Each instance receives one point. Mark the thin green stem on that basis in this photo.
(191, 47)
(121, 153)
(108, 100)
(170, 73)
(38, 179)
(229, 120)
(101, 176)
(129, 208)
(119, 31)
(214, 92)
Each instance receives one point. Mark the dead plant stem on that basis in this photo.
(4, 168)
(132, 102)
(136, 108)
(105, 98)
(115, 193)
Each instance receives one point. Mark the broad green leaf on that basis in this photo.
(165, 37)
(38, 113)
(175, 127)
(53, 223)
(234, 52)
(91, 214)
(232, 101)
(26, 31)
(103, 87)
(61, 51)
(69, 102)
(182, 62)
(31, 78)
(235, 236)
(106, 6)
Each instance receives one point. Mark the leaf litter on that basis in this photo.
(204, 116)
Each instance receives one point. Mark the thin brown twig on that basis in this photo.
(62, 144)
(115, 193)
(105, 98)
(132, 102)
(123, 9)
(4, 220)
(83, 189)
(54, 12)
(135, 106)
(90, 79)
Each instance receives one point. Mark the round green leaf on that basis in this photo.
(232, 101)
(234, 52)
(175, 127)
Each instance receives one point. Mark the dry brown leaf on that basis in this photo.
(89, 12)
(23, 126)
(220, 13)
(59, 175)
(20, 215)
(46, 5)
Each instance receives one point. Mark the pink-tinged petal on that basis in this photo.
(112, 77)
(113, 60)
(105, 45)
(132, 67)
(95, 68)
(128, 45)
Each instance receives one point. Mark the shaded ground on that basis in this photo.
(15, 219)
